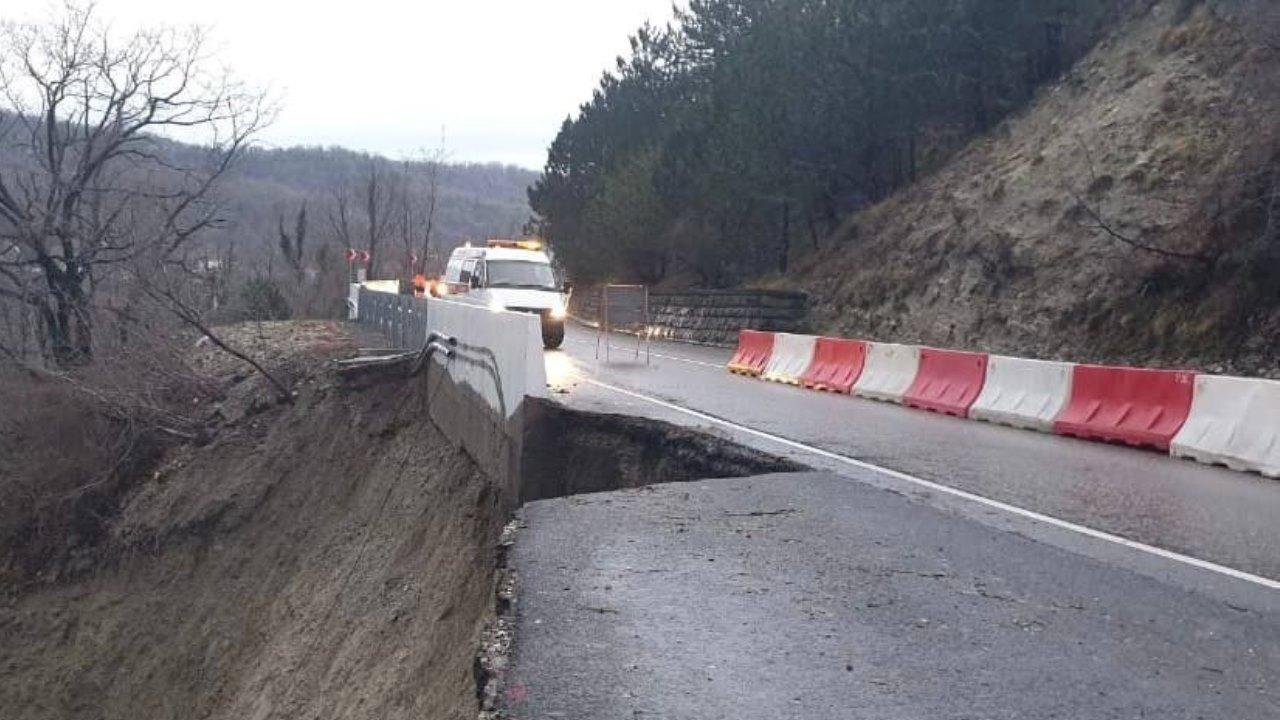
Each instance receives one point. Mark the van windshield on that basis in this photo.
(520, 274)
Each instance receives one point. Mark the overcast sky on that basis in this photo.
(498, 76)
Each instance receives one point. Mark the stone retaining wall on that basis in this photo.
(708, 317)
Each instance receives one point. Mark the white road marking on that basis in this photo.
(972, 497)
(657, 355)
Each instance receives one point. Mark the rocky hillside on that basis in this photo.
(1131, 214)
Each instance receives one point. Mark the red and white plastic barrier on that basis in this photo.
(889, 371)
(837, 365)
(1135, 406)
(1213, 419)
(1233, 422)
(947, 382)
(753, 353)
(1023, 393)
(791, 357)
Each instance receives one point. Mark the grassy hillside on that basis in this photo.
(1129, 214)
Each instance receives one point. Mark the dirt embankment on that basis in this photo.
(329, 559)
(1129, 215)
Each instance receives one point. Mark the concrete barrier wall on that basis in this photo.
(1023, 393)
(500, 353)
(790, 358)
(479, 396)
(708, 317)
(1233, 422)
(889, 371)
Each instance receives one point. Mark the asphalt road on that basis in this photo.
(1204, 512)
(810, 596)
(931, 568)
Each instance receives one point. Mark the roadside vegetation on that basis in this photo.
(749, 129)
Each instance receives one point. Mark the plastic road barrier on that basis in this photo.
(791, 356)
(1023, 393)
(889, 371)
(754, 350)
(1233, 422)
(1134, 406)
(836, 365)
(948, 381)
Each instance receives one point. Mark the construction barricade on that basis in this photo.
(836, 365)
(1134, 406)
(1023, 393)
(752, 355)
(791, 356)
(889, 371)
(948, 381)
(1233, 422)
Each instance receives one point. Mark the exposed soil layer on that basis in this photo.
(329, 559)
(569, 452)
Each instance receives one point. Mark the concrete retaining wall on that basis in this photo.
(477, 396)
(709, 317)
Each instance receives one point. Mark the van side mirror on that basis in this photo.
(475, 281)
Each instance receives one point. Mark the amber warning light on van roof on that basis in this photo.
(526, 244)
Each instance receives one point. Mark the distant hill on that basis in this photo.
(475, 200)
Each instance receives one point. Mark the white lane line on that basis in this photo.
(1014, 509)
(657, 355)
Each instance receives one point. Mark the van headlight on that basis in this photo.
(558, 312)
(497, 306)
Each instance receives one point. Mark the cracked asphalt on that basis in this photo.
(809, 595)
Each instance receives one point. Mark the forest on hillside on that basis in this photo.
(292, 214)
(744, 132)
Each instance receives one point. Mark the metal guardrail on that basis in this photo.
(401, 318)
(403, 321)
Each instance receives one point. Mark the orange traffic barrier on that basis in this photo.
(948, 381)
(754, 350)
(1135, 406)
(836, 365)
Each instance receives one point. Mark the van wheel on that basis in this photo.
(552, 334)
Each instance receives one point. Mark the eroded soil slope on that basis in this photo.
(329, 559)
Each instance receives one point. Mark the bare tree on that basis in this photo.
(435, 161)
(377, 209)
(88, 181)
(292, 247)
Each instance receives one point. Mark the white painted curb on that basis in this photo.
(1233, 422)
(791, 357)
(1023, 393)
(889, 371)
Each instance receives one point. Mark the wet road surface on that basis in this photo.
(811, 596)
(1209, 513)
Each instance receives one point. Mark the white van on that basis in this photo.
(511, 275)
